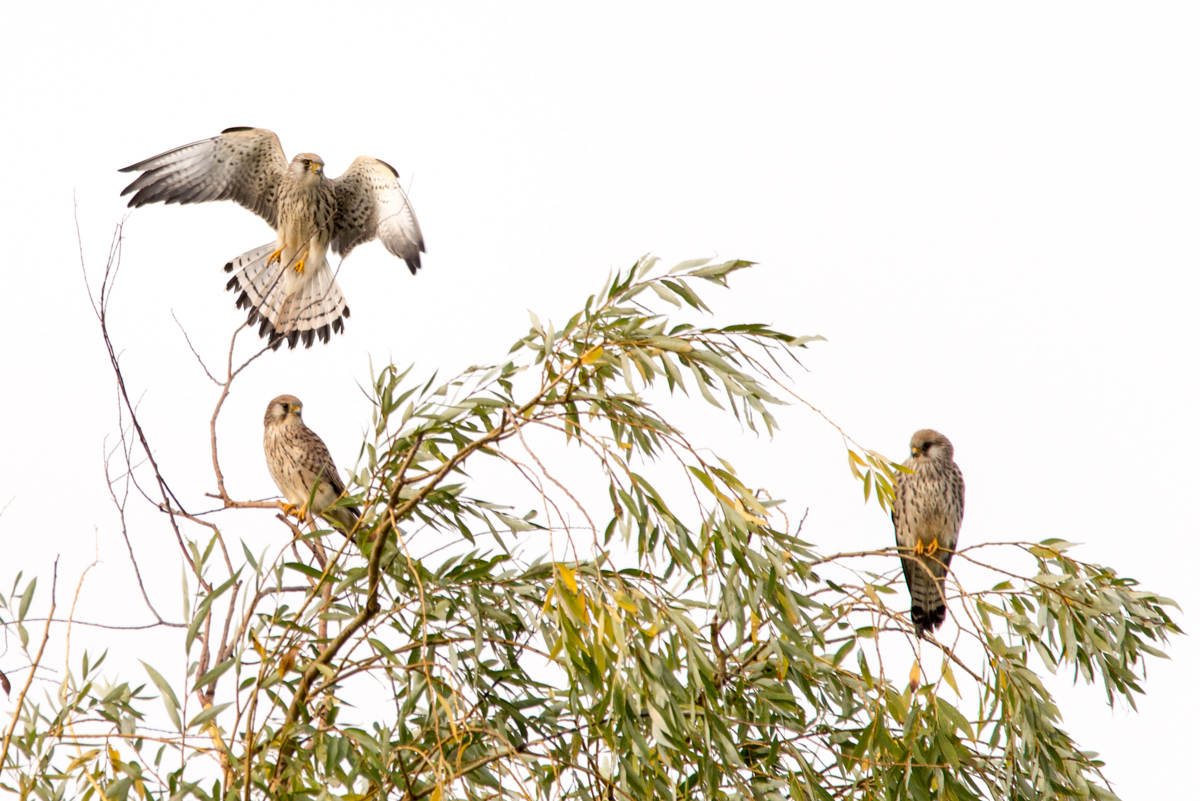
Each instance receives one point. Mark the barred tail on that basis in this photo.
(928, 618)
(284, 304)
(927, 585)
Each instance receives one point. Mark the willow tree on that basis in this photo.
(652, 628)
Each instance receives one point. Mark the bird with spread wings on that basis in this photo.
(288, 285)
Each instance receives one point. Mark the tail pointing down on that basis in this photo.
(285, 304)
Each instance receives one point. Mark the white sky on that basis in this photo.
(991, 215)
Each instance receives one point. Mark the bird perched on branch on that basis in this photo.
(288, 285)
(928, 513)
(298, 461)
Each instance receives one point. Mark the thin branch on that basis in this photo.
(188, 340)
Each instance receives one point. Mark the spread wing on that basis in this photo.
(245, 165)
(372, 204)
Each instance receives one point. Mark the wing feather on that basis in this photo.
(371, 204)
(245, 165)
(905, 536)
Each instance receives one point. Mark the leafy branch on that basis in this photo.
(684, 641)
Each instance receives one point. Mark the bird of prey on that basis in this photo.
(928, 513)
(287, 285)
(299, 461)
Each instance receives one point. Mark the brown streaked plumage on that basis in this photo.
(928, 514)
(288, 285)
(298, 460)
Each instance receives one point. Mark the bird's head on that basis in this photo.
(283, 410)
(308, 165)
(929, 444)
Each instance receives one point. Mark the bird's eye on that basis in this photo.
(307, 163)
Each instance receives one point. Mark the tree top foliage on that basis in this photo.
(682, 641)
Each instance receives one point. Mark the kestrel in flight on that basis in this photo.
(928, 514)
(298, 461)
(288, 285)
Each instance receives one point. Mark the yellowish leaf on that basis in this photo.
(948, 675)
(593, 355)
(568, 577)
(914, 676)
(869, 590)
(854, 467)
(262, 652)
(754, 506)
(449, 714)
(749, 518)
(83, 759)
(792, 617)
(287, 661)
(555, 650)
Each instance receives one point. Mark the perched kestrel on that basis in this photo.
(928, 514)
(288, 286)
(298, 460)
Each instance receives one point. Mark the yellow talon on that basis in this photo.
(300, 266)
(291, 510)
(274, 257)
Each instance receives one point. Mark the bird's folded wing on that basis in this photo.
(372, 204)
(315, 461)
(245, 165)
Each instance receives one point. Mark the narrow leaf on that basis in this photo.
(167, 694)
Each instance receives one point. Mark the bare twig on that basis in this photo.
(226, 386)
(188, 340)
(101, 309)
